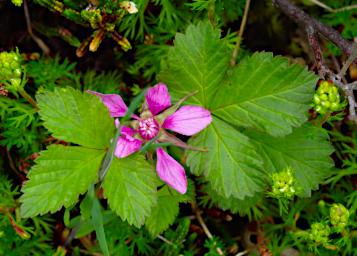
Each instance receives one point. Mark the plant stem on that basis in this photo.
(204, 226)
(314, 43)
(240, 33)
(28, 97)
(328, 8)
(165, 240)
(313, 27)
(37, 40)
(300, 17)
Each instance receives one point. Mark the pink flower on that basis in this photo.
(157, 116)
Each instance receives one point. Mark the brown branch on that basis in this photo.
(313, 27)
(37, 40)
(300, 17)
(314, 43)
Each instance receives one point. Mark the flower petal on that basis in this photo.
(188, 120)
(127, 144)
(170, 171)
(158, 98)
(113, 102)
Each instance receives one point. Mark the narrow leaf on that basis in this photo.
(97, 220)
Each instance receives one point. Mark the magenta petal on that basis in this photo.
(127, 144)
(170, 171)
(113, 102)
(188, 120)
(127, 131)
(158, 98)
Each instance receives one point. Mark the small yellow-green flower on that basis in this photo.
(17, 2)
(339, 216)
(327, 98)
(10, 68)
(320, 233)
(283, 184)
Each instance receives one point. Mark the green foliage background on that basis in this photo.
(261, 125)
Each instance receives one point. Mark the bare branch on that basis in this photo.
(314, 43)
(300, 17)
(313, 27)
(37, 40)
(349, 61)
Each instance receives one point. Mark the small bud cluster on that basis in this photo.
(283, 184)
(93, 16)
(17, 2)
(327, 98)
(10, 68)
(320, 233)
(339, 216)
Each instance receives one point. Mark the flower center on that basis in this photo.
(148, 128)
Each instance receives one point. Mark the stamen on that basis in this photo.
(148, 128)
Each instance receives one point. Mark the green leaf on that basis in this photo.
(60, 175)
(164, 213)
(247, 206)
(306, 150)
(231, 164)
(76, 117)
(130, 187)
(198, 61)
(266, 93)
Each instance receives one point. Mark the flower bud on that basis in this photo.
(283, 184)
(10, 69)
(122, 41)
(339, 216)
(17, 2)
(320, 233)
(327, 98)
(97, 40)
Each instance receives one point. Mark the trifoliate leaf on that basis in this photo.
(266, 93)
(198, 61)
(306, 151)
(60, 175)
(76, 117)
(130, 187)
(231, 164)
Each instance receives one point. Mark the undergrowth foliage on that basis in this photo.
(261, 157)
(240, 153)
